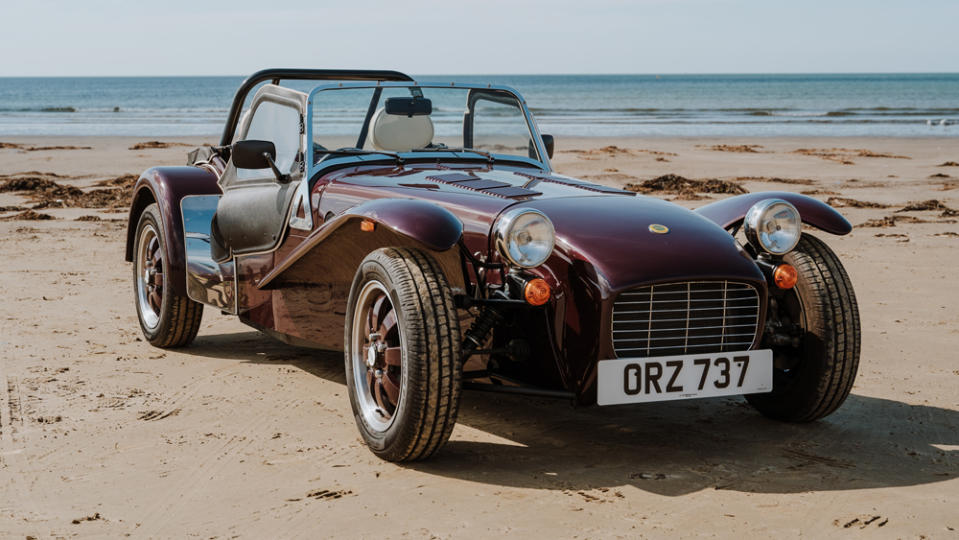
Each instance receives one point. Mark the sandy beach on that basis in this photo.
(103, 435)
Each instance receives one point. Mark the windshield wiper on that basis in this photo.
(396, 156)
(487, 155)
(359, 152)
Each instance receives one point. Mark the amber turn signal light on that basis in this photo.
(367, 225)
(536, 292)
(785, 276)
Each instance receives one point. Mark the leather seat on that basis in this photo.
(399, 133)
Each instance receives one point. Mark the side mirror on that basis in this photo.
(257, 155)
(548, 143)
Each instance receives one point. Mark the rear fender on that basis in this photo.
(337, 247)
(729, 212)
(166, 186)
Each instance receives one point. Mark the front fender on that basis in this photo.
(166, 186)
(731, 211)
(405, 221)
(433, 226)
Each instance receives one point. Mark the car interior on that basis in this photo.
(401, 124)
(399, 132)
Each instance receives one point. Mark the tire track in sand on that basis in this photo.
(20, 497)
(187, 482)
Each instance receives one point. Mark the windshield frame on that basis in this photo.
(313, 168)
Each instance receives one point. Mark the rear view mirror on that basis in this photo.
(257, 155)
(548, 143)
(411, 106)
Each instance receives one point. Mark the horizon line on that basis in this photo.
(649, 74)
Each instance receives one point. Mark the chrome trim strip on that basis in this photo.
(731, 322)
(688, 300)
(685, 327)
(627, 293)
(649, 330)
(681, 320)
(688, 303)
(710, 336)
(725, 290)
(744, 344)
(689, 309)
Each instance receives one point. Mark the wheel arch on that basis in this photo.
(142, 197)
(166, 186)
(729, 212)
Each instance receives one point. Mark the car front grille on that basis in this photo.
(685, 318)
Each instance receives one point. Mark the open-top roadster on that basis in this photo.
(420, 228)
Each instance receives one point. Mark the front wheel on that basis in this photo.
(402, 353)
(814, 372)
(166, 318)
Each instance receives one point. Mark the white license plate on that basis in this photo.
(665, 378)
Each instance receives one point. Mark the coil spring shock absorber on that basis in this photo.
(479, 330)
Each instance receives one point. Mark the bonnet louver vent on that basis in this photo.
(483, 185)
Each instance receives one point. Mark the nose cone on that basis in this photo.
(631, 241)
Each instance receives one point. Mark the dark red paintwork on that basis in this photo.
(435, 227)
(729, 212)
(603, 246)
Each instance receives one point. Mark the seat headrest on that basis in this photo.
(399, 133)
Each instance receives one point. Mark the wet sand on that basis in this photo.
(103, 435)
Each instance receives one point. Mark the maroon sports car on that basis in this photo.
(420, 228)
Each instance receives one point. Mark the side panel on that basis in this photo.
(207, 281)
(728, 212)
(167, 186)
(308, 301)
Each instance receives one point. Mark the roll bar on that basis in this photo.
(277, 74)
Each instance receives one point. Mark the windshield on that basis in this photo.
(420, 119)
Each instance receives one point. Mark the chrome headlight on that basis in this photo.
(773, 226)
(524, 236)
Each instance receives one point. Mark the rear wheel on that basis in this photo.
(402, 354)
(814, 369)
(166, 318)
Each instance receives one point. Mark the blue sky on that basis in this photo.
(175, 37)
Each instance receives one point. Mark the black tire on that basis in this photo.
(425, 343)
(812, 380)
(176, 320)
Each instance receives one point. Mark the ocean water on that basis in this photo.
(900, 105)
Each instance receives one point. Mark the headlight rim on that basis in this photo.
(754, 218)
(504, 226)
